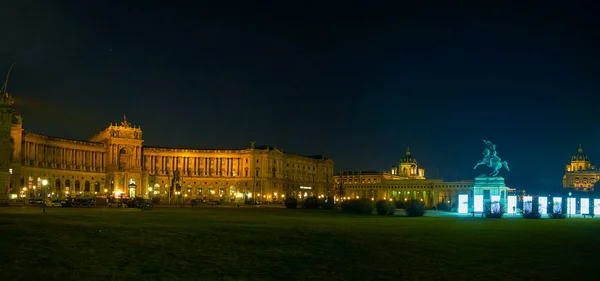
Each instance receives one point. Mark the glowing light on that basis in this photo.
(571, 205)
(512, 204)
(596, 206)
(463, 203)
(478, 204)
(585, 206)
(543, 202)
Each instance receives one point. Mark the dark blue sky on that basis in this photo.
(358, 83)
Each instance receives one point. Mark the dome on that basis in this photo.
(579, 156)
(407, 158)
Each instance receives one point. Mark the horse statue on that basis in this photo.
(491, 159)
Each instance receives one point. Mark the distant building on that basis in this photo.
(580, 174)
(401, 183)
(116, 163)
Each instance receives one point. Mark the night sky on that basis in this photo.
(357, 83)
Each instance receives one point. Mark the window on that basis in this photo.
(86, 186)
(57, 184)
(77, 186)
(96, 187)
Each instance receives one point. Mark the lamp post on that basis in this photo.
(44, 185)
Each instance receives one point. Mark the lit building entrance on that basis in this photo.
(132, 188)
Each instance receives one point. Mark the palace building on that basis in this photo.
(402, 182)
(580, 174)
(116, 163)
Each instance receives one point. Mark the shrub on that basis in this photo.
(557, 212)
(156, 200)
(442, 206)
(415, 208)
(311, 203)
(493, 211)
(328, 204)
(358, 206)
(384, 207)
(291, 203)
(534, 213)
(399, 204)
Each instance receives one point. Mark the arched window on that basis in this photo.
(67, 184)
(86, 186)
(96, 187)
(77, 186)
(57, 184)
(123, 151)
(22, 182)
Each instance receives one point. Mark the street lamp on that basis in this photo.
(44, 184)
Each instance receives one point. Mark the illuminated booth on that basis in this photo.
(527, 204)
(512, 204)
(584, 203)
(543, 204)
(463, 203)
(571, 206)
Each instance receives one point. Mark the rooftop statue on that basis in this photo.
(491, 159)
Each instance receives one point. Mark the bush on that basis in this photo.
(556, 212)
(384, 207)
(311, 203)
(358, 206)
(156, 200)
(442, 206)
(399, 204)
(415, 208)
(534, 213)
(329, 204)
(493, 211)
(291, 203)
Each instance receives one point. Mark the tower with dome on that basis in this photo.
(408, 168)
(580, 174)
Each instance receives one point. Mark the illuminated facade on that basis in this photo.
(115, 162)
(580, 174)
(403, 182)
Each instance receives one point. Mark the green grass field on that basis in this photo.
(282, 244)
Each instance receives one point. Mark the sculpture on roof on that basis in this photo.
(5, 98)
(124, 123)
(491, 159)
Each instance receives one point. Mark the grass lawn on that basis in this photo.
(281, 244)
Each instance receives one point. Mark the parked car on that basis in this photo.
(139, 203)
(55, 203)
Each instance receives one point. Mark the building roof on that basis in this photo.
(407, 158)
(579, 156)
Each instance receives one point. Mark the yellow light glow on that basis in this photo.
(24, 188)
(44, 182)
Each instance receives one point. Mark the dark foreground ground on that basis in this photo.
(280, 244)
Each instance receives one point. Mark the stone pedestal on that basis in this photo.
(489, 186)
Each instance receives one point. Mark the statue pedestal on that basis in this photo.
(488, 187)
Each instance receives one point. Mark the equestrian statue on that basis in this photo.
(491, 159)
